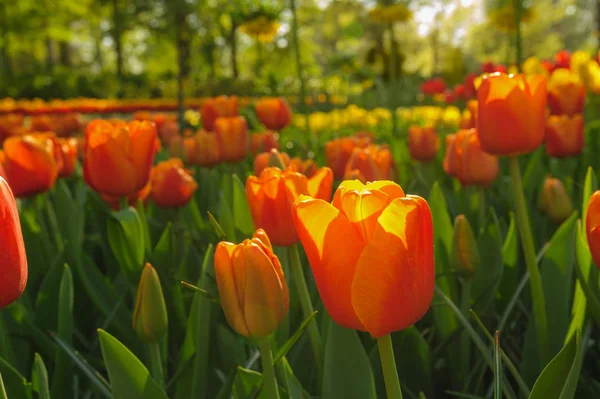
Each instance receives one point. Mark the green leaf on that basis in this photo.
(221, 236)
(510, 257)
(347, 370)
(3, 394)
(94, 376)
(241, 210)
(559, 378)
(534, 173)
(15, 384)
(590, 185)
(226, 218)
(126, 238)
(244, 382)
(70, 218)
(441, 219)
(129, 378)
(63, 366)
(40, 378)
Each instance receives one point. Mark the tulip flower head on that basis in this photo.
(13, 260)
(465, 160)
(232, 138)
(271, 195)
(566, 93)
(172, 184)
(252, 287)
(511, 114)
(371, 253)
(218, 107)
(118, 159)
(274, 113)
(554, 200)
(32, 163)
(592, 227)
(564, 135)
(423, 143)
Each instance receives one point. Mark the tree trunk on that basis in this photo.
(180, 43)
(5, 60)
(598, 23)
(118, 37)
(65, 53)
(233, 46)
(50, 57)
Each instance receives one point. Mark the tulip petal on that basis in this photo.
(266, 298)
(320, 184)
(228, 290)
(394, 279)
(333, 248)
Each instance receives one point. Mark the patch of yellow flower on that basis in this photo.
(429, 115)
(390, 14)
(351, 116)
(261, 28)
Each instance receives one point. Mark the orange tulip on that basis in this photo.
(69, 156)
(264, 142)
(118, 160)
(172, 184)
(371, 253)
(511, 113)
(218, 107)
(252, 287)
(32, 164)
(423, 143)
(307, 167)
(469, 163)
(592, 227)
(554, 200)
(13, 262)
(271, 195)
(207, 152)
(339, 151)
(274, 113)
(566, 93)
(369, 164)
(564, 135)
(232, 137)
(264, 160)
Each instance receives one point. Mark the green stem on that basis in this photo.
(305, 303)
(482, 209)
(388, 365)
(271, 389)
(537, 290)
(465, 339)
(124, 202)
(3, 394)
(392, 86)
(156, 367)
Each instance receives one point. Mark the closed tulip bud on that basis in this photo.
(232, 138)
(371, 253)
(13, 262)
(564, 135)
(271, 195)
(266, 159)
(69, 156)
(32, 164)
(150, 320)
(264, 142)
(118, 160)
(218, 107)
(172, 185)
(465, 255)
(252, 287)
(554, 200)
(592, 227)
(475, 166)
(566, 93)
(274, 113)
(423, 143)
(511, 113)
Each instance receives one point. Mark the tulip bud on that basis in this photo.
(252, 287)
(464, 255)
(13, 262)
(554, 200)
(125, 231)
(150, 320)
(275, 160)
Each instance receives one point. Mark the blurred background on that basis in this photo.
(140, 48)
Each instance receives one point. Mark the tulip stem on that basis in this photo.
(388, 365)
(156, 367)
(482, 210)
(271, 389)
(537, 290)
(306, 304)
(124, 202)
